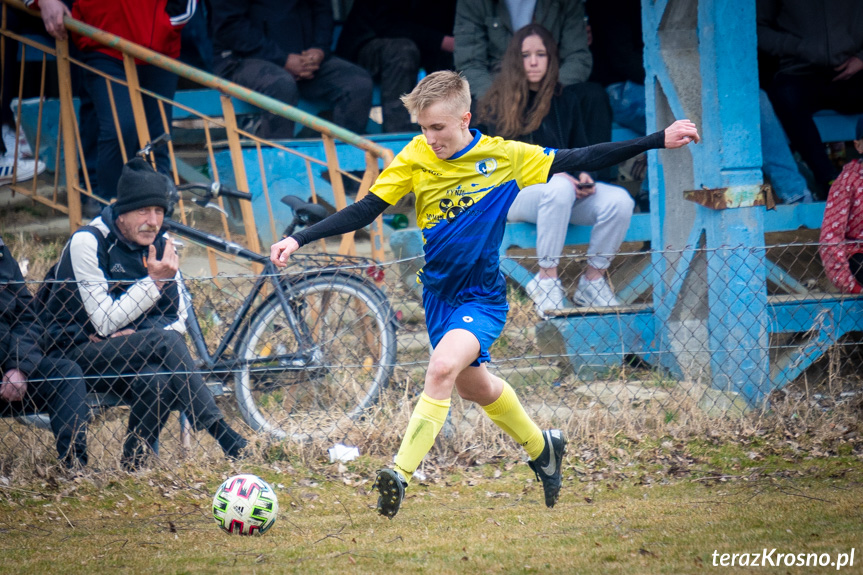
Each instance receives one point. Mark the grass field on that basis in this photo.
(662, 508)
(655, 485)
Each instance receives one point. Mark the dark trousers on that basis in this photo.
(109, 163)
(796, 97)
(154, 372)
(345, 86)
(395, 62)
(57, 386)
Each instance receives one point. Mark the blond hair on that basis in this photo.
(444, 86)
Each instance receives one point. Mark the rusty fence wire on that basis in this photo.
(346, 367)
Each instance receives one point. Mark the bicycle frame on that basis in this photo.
(214, 363)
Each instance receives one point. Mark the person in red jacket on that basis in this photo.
(842, 229)
(154, 24)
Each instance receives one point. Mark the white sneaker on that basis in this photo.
(26, 169)
(546, 293)
(24, 150)
(594, 293)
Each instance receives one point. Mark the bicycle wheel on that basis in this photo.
(353, 328)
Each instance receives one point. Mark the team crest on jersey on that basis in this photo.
(486, 167)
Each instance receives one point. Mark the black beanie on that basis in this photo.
(140, 187)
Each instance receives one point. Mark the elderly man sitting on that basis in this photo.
(121, 316)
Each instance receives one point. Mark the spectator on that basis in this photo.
(32, 382)
(842, 230)
(196, 46)
(123, 317)
(526, 102)
(14, 160)
(392, 39)
(282, 49)
(464, 182)
(819, 46)
(154, 24)
(483, 29)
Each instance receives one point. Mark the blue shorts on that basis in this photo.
(483, 320)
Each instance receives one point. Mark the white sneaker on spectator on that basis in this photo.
(24, 150)
(546, 293)
(596, 293)
(26, 169)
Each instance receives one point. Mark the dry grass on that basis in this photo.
(795, 423)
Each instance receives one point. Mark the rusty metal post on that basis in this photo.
(137, 104)
(67, 126)
(240, 179)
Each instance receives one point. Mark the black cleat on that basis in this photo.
(391, 487)
(547, 465)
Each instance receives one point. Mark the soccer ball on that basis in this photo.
(246, 505)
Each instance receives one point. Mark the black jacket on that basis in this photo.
(810, 34)
(561, 128)
(19, 330)
(269, 29)
(132, 299)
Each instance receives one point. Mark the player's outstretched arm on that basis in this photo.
(352, 218)
(599, 156)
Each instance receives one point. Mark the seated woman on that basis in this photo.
(842, 229)
(527, 103)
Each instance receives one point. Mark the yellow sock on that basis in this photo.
(426, 422)
(508, 414)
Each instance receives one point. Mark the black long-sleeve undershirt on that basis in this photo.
(353, 217)
(586, 159)
(596, 157)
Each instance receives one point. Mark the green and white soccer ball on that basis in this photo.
(245, 505)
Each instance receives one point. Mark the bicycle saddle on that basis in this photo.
(307, 212)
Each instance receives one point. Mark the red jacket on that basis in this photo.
(842, 228)
(154, 24)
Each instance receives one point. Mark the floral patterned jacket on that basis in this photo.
(842, 228)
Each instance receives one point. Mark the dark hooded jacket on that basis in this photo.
(806, 35)
(19, 331)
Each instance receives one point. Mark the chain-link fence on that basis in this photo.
(340, 355)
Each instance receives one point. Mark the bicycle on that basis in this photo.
(320, 344)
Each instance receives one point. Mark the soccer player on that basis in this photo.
(465, 183)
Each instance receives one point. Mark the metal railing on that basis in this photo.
(69, 152)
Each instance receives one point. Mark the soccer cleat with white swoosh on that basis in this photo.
(547, 465)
